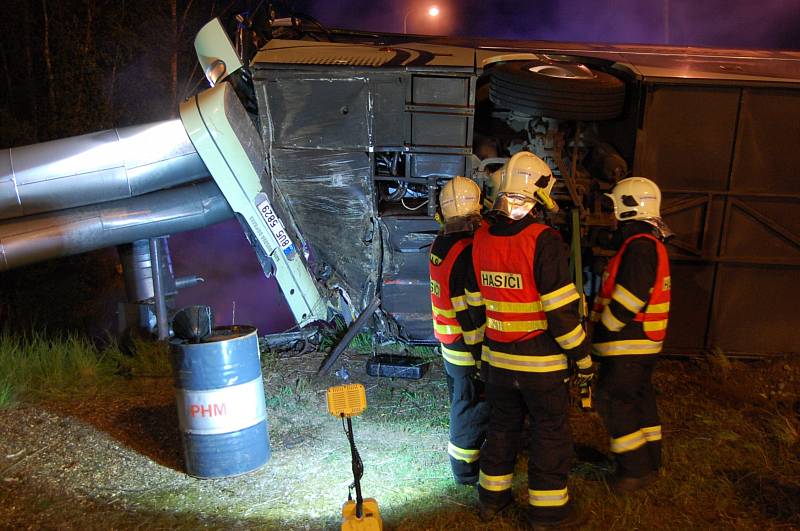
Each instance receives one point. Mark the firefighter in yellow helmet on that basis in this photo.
(458, 323)
(533, 329)
(630, 315)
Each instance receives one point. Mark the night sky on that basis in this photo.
(722, 23)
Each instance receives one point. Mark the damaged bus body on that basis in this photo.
(339, 141)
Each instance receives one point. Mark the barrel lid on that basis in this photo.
(226, 333)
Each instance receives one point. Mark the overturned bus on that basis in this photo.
(330, 147)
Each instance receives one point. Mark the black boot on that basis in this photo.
(487, 511)
(625, 484)
(573, 518)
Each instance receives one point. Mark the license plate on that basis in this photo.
(275, 225)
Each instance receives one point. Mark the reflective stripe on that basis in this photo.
(610, 321)
(572, 339)
(584, 363)
(651, 326)
(447, 329)
(513, 307)
(462, 454)
(443, 312)
(512, 362)
(627, 443)
(652, 433)
(473, 337)
(658, 308)
(515, 326)
(560, 297)
(630, 346)
(495, 483)
(548, 498)
(474, 298)
(627, 299)
(459, 303)
(457, 357)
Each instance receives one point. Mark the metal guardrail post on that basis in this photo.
(159, 299)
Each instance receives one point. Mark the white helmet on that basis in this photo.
(527, 180)
(460, 197)
(636, 198)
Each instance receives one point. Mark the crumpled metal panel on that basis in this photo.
(314, 112)
(330, 195)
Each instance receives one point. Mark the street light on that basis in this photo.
(432, 11)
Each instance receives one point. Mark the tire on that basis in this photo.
(567, 91)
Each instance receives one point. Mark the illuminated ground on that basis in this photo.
(113, 461)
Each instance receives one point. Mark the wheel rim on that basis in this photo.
(563, 71)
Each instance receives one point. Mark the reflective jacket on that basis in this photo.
(455, 301)
(531, 303)
(632, 312)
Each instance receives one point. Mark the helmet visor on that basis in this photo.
(514, 206)
(663, 230)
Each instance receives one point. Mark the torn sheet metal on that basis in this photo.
(330, 196)
(329, 113)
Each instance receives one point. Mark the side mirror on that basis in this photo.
(215, 52)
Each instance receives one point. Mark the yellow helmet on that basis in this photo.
(636, 198)
(527, 180)
(460, 197)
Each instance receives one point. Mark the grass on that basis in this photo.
(365, 343)
(146, 358)
(730, 454)
(732, 438)
(36, 367)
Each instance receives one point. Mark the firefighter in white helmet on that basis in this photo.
(630, 315)
(458, 323)
(533, 329)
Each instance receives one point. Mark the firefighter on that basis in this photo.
(533, 330)
(458, 323)
(630, 315)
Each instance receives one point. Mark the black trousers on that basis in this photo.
(626, 400)
(549, 454)
(469, 416)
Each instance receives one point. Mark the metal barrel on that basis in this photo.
(221, 407)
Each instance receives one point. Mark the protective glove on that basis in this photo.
(586, 372)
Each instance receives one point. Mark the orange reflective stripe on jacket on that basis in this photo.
(445, 326)
(654, 313)
(504, 269)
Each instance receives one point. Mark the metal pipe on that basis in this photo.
(159, 298)
(95, 168)
(138, 271)
(188, 281)
(37, 238)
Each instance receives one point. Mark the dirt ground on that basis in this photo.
(113, 461)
